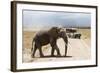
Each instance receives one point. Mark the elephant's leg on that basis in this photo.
(66, 50)
(57, 49)
(33, 51)
(54, 47)
(52, 43)
(52, 51)
(40, 50)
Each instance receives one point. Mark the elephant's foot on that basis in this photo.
(59, 55)
(65, 55)
(52, 55)
(41, 55)
(32, 56)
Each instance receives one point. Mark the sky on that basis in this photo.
(51, 18)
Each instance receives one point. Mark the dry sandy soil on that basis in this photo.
(78, 49)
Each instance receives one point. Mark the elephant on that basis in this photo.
(49, 36)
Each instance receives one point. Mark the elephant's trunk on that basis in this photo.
(65, 38)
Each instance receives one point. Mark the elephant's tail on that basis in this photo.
(32, 44)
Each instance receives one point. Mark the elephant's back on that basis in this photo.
(42, 37)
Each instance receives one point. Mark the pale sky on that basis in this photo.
(50, 18)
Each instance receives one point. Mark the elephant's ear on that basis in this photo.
(57, 29)
(54, 31)
(62, 32)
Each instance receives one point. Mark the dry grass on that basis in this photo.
(27, 39)
(86, 33)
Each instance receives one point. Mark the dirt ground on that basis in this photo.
(78, 49)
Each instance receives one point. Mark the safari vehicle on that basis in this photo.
(72, 33)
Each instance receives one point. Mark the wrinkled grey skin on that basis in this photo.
(49, 37)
